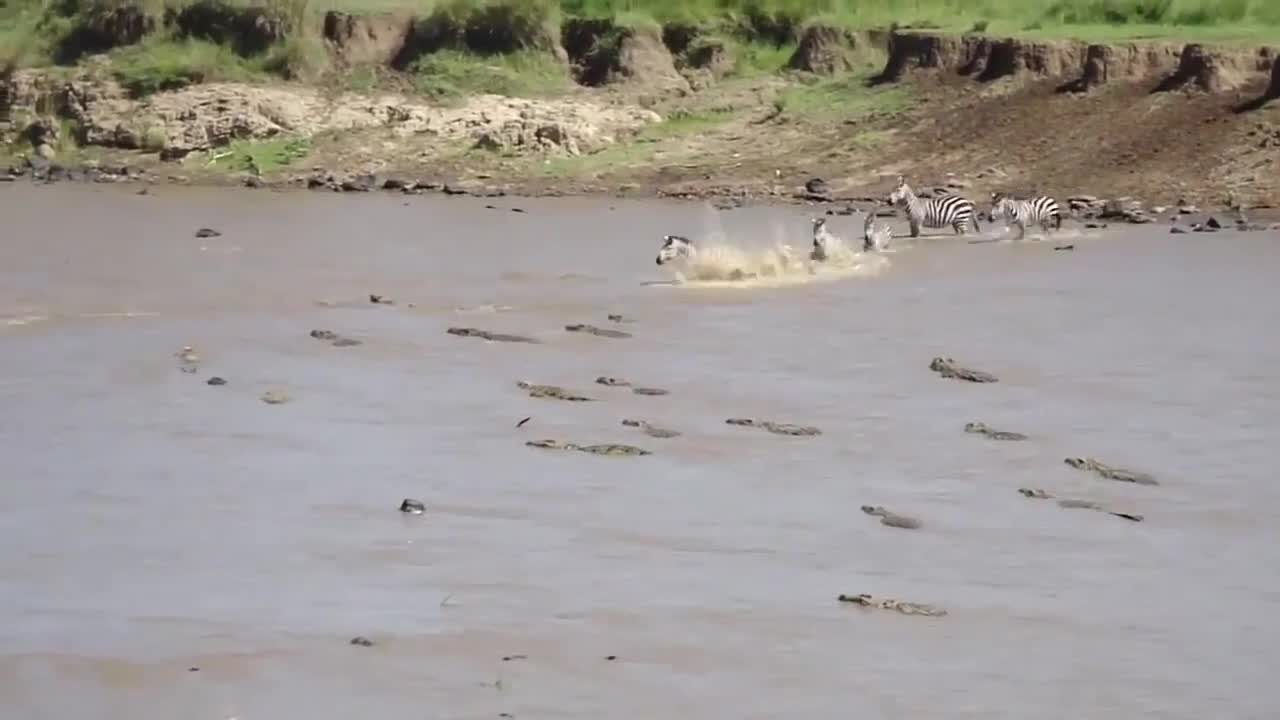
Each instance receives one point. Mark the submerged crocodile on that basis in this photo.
(1109, 472)
(651, 430)
(491, 336)
(891, 519)
(906, 608)
(614, 449)
(554, 392)
(984, 429)
(947, 368)
(638, 390)
(1073, 504)
(593, 330)
(775, 427)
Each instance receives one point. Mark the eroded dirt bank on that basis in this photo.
(651, 112)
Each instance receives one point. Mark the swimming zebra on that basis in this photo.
(875, 236)
(951, 210)
(675, 247)
(822, 240)
(1038, 210)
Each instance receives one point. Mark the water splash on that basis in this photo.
(719, 262)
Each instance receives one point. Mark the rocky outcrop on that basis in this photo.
(1217, 70)
(247, 30)
(1211, 69)
(603, 53)
(1273, 89)
(828, 50)
(377, 38)
(206, 116)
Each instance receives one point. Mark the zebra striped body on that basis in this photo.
(951, 210)
(1036, 211)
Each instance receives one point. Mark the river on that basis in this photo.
(174, 549)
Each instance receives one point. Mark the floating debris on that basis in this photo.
(207, 233)
(522, 422)
(362, 641)
(412, 507)
(216, 381)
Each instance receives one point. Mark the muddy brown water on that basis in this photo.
(153, 524)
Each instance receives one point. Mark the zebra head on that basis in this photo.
(902, 193)
(673, 248)
(1001, 204)
(820, 237)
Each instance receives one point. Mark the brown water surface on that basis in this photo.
(153, 524)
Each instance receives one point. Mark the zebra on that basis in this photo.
(1039, 210)
(875, 236)
(939, 212)
(675, 247)
(822, 240)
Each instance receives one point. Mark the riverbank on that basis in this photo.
(746, 107)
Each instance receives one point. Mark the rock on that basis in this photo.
(891, 519)
(1212, 222)
(593, 330)
(490, 336)
(947, 368)
(1109, 472)
(216, 381)
(554, 392)
(413, 507)
(816, 186)
(362, 641)
(984, 429)
(651, 430)
(207, 233)
(906, 608)
(602, 449)
(359, 183)
(775, 427)
(1176, 230)
(275, 397)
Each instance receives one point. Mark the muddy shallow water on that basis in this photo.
(153, 524)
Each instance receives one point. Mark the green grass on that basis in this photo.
(448, 74)
(845, 98)
(165, 64)
(261, 156)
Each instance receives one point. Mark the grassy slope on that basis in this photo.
(29, 35)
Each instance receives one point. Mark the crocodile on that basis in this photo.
(614, 449)
(593, 330)
(554, 392)
(775, 427)
(891, 519)
(984, 429)
(649, 391)
(947, 368)
(491, 336)
(651, 430)
(1109, 472)
(906, 608)
(615, 317)
(1073, 504)
(612, 381)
